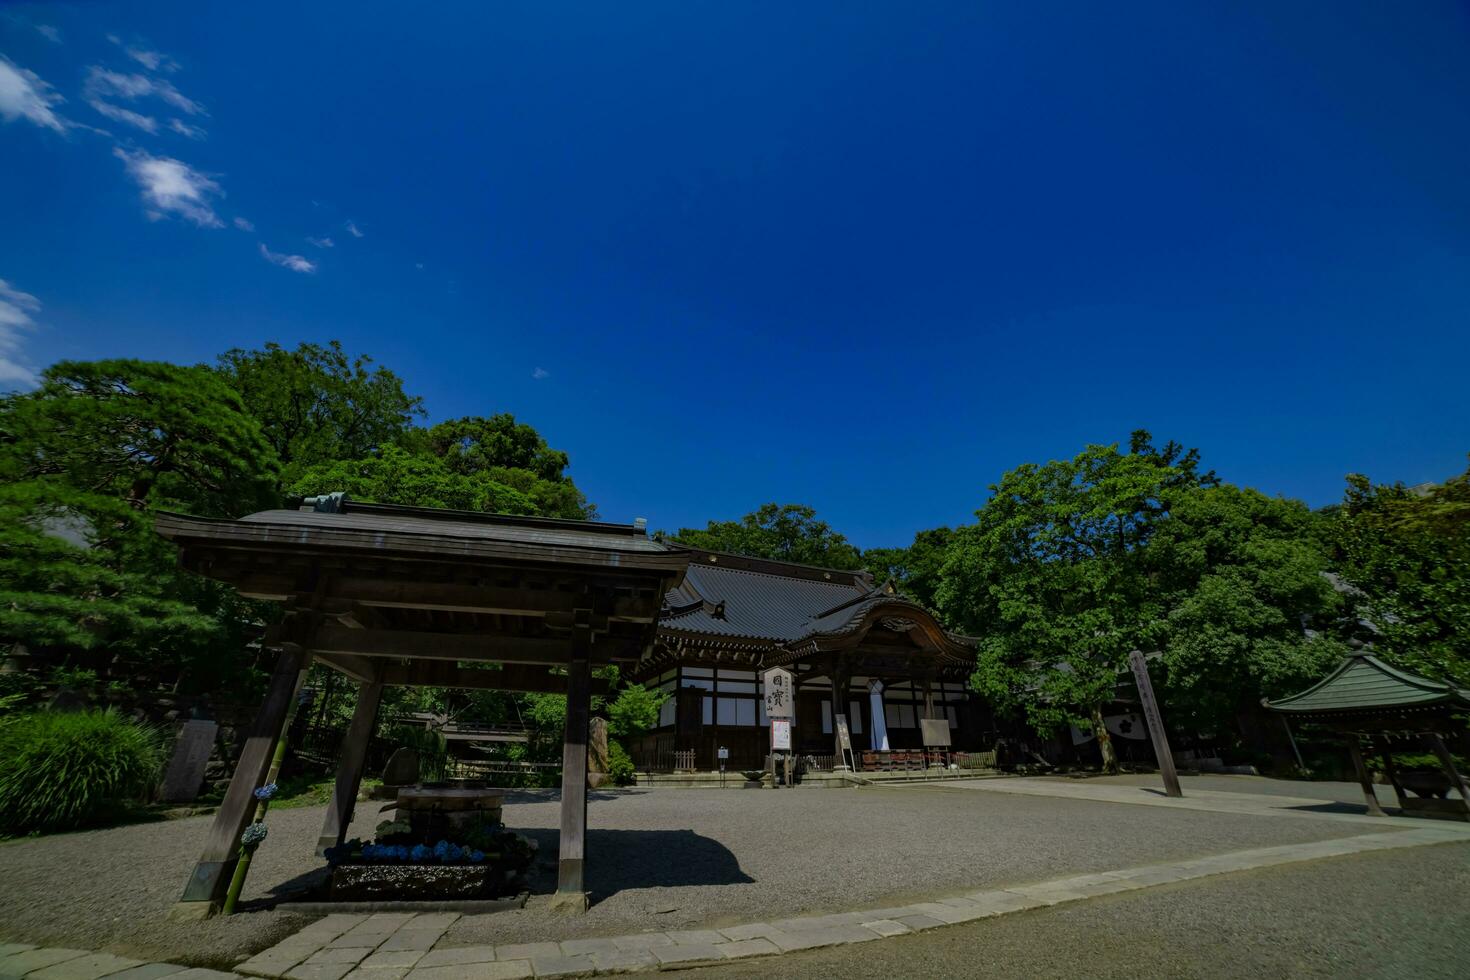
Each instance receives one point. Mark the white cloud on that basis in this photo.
(296, 263)
(49, 33)
(152, 60)
(352, 229)
(171, 186)
(321, 242)
(118, 114)
(105, 84)
(16, 308)
(184, 129)
(540, 374)
(24, 95)
(244, 224)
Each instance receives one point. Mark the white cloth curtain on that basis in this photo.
(879, 738)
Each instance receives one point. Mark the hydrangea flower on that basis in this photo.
(477, 856)
(253, 835)
(266, 792)
(420, 853)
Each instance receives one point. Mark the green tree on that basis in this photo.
(1250, 612)
(395, 476)
(915, 568)
(1052, 576)
(789, 532)
(317, 405)
(1407, 552)
(85, 459)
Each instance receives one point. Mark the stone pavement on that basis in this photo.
(405, 946)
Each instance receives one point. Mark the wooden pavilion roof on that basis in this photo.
(423, 596)
(1364, 687)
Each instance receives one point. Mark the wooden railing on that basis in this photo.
(666, 761)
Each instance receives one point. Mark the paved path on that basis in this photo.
(408, 947)
(1272, 804)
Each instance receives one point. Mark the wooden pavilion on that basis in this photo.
(1366, 699)
(423, 597)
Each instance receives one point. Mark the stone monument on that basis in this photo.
(596, 752)
(192, 749)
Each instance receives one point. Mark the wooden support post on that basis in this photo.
(571, 889)
(206, 888)
(349, 766)
(1385, 749)
(1366, 780)
(1457, 779)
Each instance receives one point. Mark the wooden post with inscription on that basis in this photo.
(571, 889)
(1155, 724)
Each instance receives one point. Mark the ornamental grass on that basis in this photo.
(64, 770)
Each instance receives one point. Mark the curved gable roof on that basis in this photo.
(1363, 683)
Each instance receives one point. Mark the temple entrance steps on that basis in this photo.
(838, 779)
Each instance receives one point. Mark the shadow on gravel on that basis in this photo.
(626, 859)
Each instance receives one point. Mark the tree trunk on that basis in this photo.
(1104, 742)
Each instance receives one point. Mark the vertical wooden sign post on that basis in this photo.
(780, 695)
(1155, 724)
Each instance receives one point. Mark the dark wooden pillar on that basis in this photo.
(205, 891)
(349, 766)
(571, 890)
(1457, 779)
(1385, 749)
(1364, 778)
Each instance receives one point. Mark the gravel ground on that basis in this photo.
(1386, 914)
(111, 889)
(656, 860)
(683, 858)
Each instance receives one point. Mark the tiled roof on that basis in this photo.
(1364, 683)
(733, 598)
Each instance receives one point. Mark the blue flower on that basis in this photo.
(266, 792)
(477, 856)
(420, 853)
(401, 852)
(253, 835)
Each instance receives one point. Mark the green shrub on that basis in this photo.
(619, 764)
(61, 770)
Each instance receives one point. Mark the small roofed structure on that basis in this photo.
(1365, 698)
(423, 597)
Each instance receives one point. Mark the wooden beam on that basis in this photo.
(349, 767)
(508, 678)
(455, 597)
(357, 668)
(412, 644)
(1364, 779)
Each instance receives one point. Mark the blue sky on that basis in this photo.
(862, 256)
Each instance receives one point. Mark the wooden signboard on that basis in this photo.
(844, 736)
(192, 748)
(1155, 723)
(780, 693)
(936, 732)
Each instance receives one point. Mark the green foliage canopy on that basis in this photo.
(316, 405)
(1408, 554)
(789, 532)
(916, 568)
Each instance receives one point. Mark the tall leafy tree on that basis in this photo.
(1407, 552)
(789, 532)
(915, 568)
(1052, 576)
(317, 404)
(85, 460)
(1249, 611)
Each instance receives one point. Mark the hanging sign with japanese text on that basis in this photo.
(780, 693)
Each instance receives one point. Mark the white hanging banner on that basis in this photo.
(780, 693)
